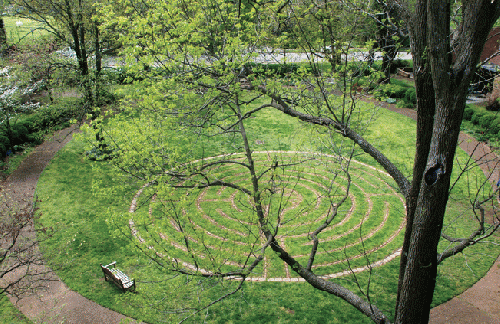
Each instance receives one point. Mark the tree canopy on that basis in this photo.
(204, 80)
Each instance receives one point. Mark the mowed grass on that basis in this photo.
(80, 237)
(12, 163)
(28, 30)
(9, 313)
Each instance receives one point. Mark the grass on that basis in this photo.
(82, 236)
(13, 162)
(9, 313)
(28, 32)
(403, 82)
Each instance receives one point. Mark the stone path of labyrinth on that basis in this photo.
(368, 229)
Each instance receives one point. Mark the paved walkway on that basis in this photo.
(479, 304)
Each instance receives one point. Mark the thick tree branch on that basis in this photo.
(394, 172)
(330, 287)
(466, 242)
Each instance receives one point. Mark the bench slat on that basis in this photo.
(118, 277)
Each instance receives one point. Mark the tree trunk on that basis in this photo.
(418, 282)
(98, 65)
(3, 38)
(390, 52)
(9, 133)
(388, 47)
(77, 31)
(440, 105)
(425, 120)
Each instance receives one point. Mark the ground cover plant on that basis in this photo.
(402, 93)
(29, 129)
(82, 235)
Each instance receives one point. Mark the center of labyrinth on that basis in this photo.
(216, 229)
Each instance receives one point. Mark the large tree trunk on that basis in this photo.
(425, 119)
(440, 108)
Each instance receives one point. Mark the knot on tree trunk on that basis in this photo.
(433, 174)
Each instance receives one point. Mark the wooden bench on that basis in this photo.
(119, 278)
(406, 72)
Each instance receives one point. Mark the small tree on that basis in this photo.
(15, 99)
(211, 92)
(73, 23)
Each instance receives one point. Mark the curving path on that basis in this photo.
(58, 303)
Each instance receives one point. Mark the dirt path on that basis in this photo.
(57, 304)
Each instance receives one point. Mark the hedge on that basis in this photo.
(488, 122)
(30, 129)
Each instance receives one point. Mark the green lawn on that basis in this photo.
(81, 235)
(9, 313)
(27, 32)
(13, 162)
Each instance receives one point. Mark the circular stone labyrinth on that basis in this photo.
(216, 228)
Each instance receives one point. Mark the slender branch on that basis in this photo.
(334, 209)
(215, 301)
(216, 183)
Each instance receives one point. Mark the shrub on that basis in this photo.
(494, 127)
(55, 114)
(468, 112)
(493, 105)
(398, 64)
(282, 70)
(390, 90)
(485, 121)
(484, 137)
(411, 96)
(19, 134)
(396, 91)
(4, 142)
(30, 129)
(124, 75)
(402, 103)
(105, 97)
(477, 116)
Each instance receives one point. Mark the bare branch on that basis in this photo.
(345, 131)
(331, 216)
(338, 290)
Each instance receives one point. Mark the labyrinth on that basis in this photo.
(216, 228)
